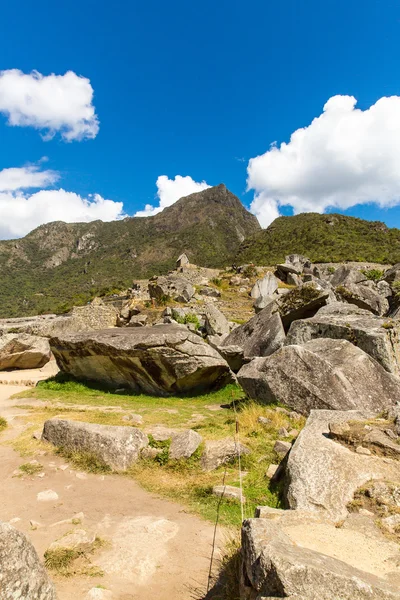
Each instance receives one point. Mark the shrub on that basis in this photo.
(373, 274)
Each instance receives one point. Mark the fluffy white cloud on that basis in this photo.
(26, 177)
(345, 157)
(52, 103)
(171, 190)
(22, 211)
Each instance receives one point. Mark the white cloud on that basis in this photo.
(22, 211)
(52, 103)
(171, 190)
(345, 157)
(26, 177)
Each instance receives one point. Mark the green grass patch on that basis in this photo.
(86, 461)
(31, 468)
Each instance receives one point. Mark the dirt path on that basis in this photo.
(155, 550)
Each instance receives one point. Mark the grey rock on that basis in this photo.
(228, 491)
(294, 263)
(345, 275)
(137, 321)
(265, 286)
(393, 274)
(323, 475)
(234, 356)
(215, 321)
(117, 447)
(161, 433)
(21, 575)
(275, 567)
(150, 453)
(293, 279)
(363, 297)
(160, 360)
(272, 470)
(373, 334)
(23, 351)
(210, 292)
(320, 374)
(219, 452)
(78, 539)
(264, 420)
(262, 335)
(384, 289)
(184, 444)
(282, 448)
(262, 302)
(172, 286)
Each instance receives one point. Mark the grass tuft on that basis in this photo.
(3, 423)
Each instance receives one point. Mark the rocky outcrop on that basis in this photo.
(23, 351)
(376, 336)
(262, 335)
(294, 263)
(173, 287)
(280, 561)
(323, 475)
(115, 446)
(21, 573)
(160, 360)
(320, 374)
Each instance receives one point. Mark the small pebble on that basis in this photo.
(272, 469)
(264, 420)
(283, 432)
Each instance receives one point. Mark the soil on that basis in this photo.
(154, 549)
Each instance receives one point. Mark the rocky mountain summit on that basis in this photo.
(61, 264)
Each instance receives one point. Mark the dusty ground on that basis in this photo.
(154, 549)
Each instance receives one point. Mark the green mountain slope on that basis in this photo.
(61, 264)
(322, 238)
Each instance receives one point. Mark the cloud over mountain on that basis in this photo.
(346, 156)
(171, 190)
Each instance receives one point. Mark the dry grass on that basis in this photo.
(68, 562)
(3, 423)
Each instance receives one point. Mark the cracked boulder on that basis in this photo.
(320, 374)
(160, 360)
(21, 573)
(302, 302)
(377, 336)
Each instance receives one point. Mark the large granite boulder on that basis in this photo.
(280, 559)
(302, 302)
(23, 351)
(393, 274)
(160, 360)
(262, 335)
(376, 336)
(322, 474)
(174, 287)
(22, 575)
(117, 447)
(320, 374)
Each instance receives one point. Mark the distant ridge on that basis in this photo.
(61, 264)
(322, 238)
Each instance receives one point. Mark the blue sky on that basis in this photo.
(198, 89)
